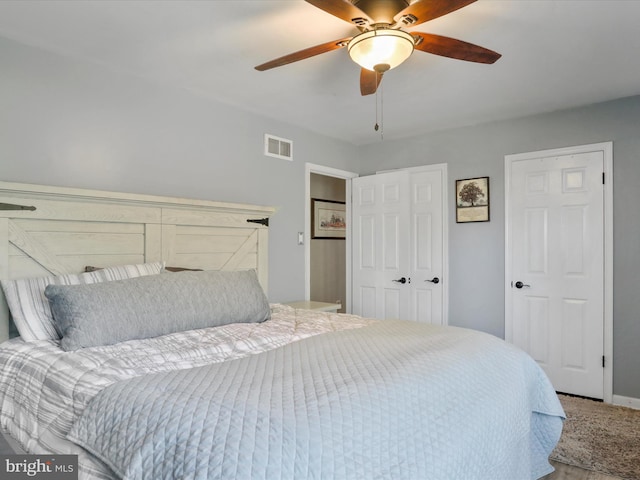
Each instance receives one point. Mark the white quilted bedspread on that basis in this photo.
(395, 400)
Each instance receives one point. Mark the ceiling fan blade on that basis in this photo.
(302, 54)
(452, 48)
(424, 10)
(369, 81)
(344, 10)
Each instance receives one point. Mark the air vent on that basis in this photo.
(278, 147)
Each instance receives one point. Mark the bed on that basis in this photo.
(146, 373)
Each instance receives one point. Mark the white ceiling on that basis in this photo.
(556, 54)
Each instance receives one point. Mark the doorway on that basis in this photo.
(327, 260)
(558, 264)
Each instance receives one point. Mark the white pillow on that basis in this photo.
(30, 308)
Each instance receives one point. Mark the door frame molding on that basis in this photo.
(328, 172)
(607, 149)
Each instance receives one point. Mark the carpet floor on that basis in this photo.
(600, 437)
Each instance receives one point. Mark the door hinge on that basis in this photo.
(603, 178)
(602, 361)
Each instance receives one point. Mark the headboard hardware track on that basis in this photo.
(261, 221)
(10, 206)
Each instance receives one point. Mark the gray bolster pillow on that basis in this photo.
(144, 307)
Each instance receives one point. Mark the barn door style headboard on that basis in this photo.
(47, 230)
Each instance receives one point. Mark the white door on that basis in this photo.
(555, 249)
(398, 247)
(380, 232)
(427, 247)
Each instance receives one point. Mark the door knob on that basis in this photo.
(402, 280)
(519, 284)
(433, 280)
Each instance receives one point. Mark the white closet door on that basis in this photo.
(427, 247)
(380, 219)
(398, 248)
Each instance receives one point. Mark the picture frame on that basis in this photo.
(328, 219)
(472, 200)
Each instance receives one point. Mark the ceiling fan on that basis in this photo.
(382, 44)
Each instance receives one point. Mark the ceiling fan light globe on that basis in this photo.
(386, 47)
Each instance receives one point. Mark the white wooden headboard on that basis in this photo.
(73, 228)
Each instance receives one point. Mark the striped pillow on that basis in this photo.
(30, 308)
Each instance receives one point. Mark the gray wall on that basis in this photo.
(76, 124)
(477, 250)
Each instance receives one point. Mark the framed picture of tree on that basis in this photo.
(472, 200)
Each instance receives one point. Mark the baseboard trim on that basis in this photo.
(626, 401)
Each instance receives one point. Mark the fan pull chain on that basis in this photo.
(379, 126)
(376, 126)
(381, 111)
